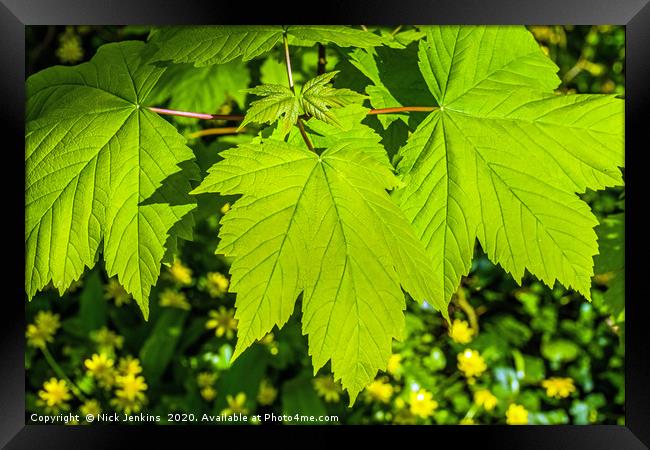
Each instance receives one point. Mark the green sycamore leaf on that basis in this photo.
(318, 96)
(202, 89)
(323, 226)
(101, 172)
(318, 99)
(278, 103)
(503, 158)
(207, 45)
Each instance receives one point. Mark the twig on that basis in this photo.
(239, 118)
(195, 115)
(575, 70)
(287, 59)
(310, 146)
(322, 59)
(580, 64)
(301, 126)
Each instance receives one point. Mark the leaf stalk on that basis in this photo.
(195, 115)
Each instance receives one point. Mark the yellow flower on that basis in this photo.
(114, 290)
(236, 405)
(180, 273)
(107, 340)
(43, 329)
(327, 388)
(100, 367)
(380, 391)
(70, 49)
(208, 393)
(48, 321)
(205, 379)
(129, 366)
(559, 387)
(129, 396)
(217, 284)
(394, 365)
(36, 337)
(91, 407)
(516, 415)
(225, 208)
(467, 421)
(131, 387)
(98, 364)
(485, 398)
(173, 299)
(54, 394)
(267, 393)
(471, 363)
(422, 403)
(223, 322)
(461, 332)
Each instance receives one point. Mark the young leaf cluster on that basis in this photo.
(284, 105)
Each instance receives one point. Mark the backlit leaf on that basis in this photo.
(503, 158)
(323, 226)
(98, 167)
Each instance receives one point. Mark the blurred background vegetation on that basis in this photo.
(513, 354)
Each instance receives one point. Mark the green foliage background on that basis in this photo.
(525, 334)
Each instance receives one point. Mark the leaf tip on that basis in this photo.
(239, 349)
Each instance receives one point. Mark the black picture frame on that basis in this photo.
(634, 14)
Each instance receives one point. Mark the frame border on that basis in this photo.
(634, 14)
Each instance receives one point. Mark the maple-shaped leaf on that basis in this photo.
(278, 103)
(324, 226)
(318, 99)
(503, 158)
(318, 96)
(101, 171)
(207, 45)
